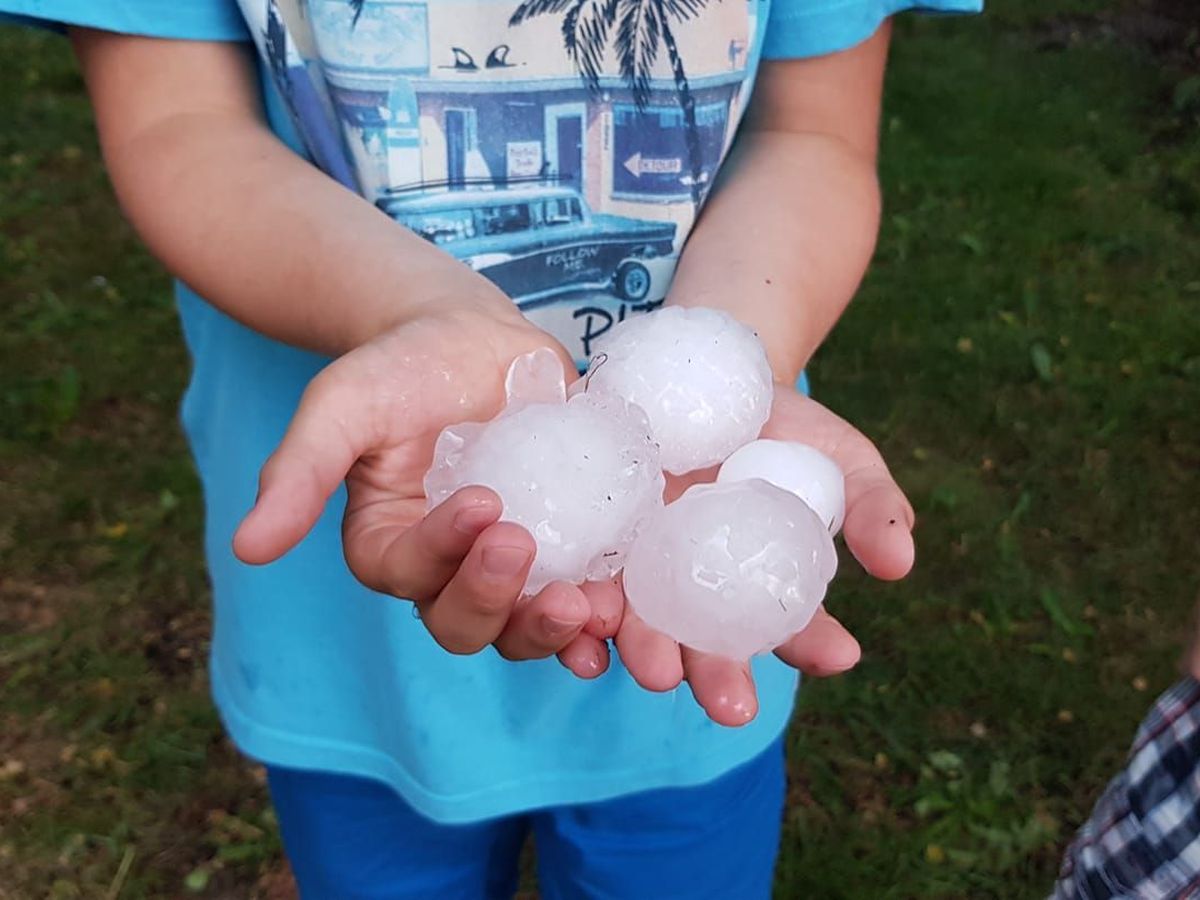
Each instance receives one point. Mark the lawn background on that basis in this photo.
(1025, 350)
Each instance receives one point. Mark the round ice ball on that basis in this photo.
(578, 475)
(734, 569)
(701, 376)
(805, 471)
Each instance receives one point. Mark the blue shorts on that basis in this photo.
(353, 839)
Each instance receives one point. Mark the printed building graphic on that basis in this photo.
(482, 136)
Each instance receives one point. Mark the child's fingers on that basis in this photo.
(879, 523)
(417, 561)
(322, 442)
(825, 647)
(586, 656)
(651, 657)
(607, 601)
(473, 608)
(723, 687)
(542, 625)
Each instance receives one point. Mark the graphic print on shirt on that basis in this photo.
(561, 148)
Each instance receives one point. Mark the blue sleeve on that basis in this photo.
(199, 20)
(802, 28)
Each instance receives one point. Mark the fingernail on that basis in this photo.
(558, 627)
(504, 562)
(473, 519)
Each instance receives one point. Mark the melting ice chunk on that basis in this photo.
(805, 471)
(734, 569)
(579, 475)
(701, 376)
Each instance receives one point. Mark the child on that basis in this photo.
(556, 153)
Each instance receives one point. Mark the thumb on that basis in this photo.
(325, 438)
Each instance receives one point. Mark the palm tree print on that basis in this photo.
(640, 26)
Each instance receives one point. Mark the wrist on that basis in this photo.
(444, 289)
(485, 322)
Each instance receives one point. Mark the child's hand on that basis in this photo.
(371, 419)
(878, 531)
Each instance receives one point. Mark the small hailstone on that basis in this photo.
(805, 471)
(579, 475)
(733, 569)
(701, 376)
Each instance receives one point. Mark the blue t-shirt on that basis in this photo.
(469, 122)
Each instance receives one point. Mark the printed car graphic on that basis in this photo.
(536, 243)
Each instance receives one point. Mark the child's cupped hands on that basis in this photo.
(370, 419)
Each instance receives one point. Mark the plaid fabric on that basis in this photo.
(1143, 839)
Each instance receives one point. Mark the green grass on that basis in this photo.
(1024, 350)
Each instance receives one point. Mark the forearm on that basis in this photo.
(244, 221)
(791, 225)
(784, 241)
(272, 241)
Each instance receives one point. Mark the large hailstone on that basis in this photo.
(579, 475)
(701, 376)
(733, 569)
(805, 471)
